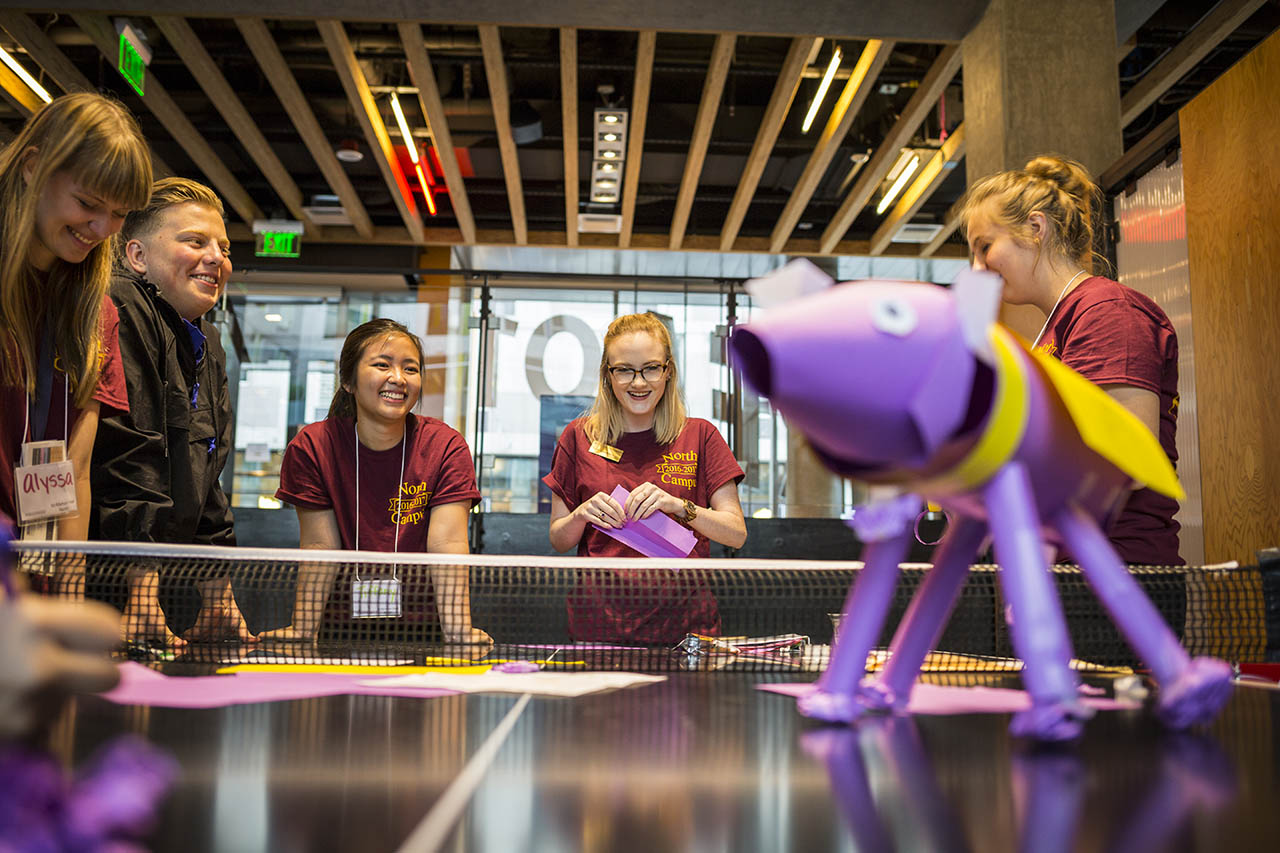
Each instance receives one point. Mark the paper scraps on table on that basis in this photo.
(939, 699)
(142, 686)
(536, 683)
(659, 535)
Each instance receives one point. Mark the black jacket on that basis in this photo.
(154, 476)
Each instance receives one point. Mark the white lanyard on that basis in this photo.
(1055, 306)
(404, 440)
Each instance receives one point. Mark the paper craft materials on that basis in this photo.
(536, 683)
(142, 686)
(941, 699)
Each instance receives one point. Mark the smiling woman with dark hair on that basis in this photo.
(374, 476)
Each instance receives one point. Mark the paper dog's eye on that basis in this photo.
(894, 316)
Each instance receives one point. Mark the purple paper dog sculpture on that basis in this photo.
(908, 384)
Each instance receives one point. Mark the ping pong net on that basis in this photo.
(336, 607)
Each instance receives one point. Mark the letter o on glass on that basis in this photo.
(533, 356)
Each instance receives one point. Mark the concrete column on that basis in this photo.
(1040, 77)
(811, 490)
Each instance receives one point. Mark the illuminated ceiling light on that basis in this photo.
(609, 155)
(609, 137)
(609, 167)
(606, 182)
(426, 191)
(40, 91)
(404, 128)
(272, 318)
(905, 175)
(834, 64)
(610, 118)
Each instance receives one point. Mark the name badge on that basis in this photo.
(599, 448)
(375, 599)
(45, 484)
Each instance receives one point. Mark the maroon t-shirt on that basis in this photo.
(319, 472)
(1112, 334)
(110, 393)
(647, 605)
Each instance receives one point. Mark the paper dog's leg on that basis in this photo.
(1191, 691)
(1039, 631)
(926, 617)
(835, 697)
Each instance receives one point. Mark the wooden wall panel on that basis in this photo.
(1231, 182)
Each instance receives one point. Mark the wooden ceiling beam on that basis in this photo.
(44, 52)
(859, 85)
(708, 107)
(935, 82)
(775, 115)
(191, 51)
(175, 121)
(429, 100)
(569, 123)
(54, 62)
(495, 72)
(276, 70)
(375, 129)
(1226, 17)
(646, 44)
(920, 189)
(950, 223)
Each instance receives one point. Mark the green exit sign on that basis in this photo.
(278, 244)
(132, 66)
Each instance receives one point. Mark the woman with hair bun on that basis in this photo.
(1034, 227)
(638, 436)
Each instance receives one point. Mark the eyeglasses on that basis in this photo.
(627, 375)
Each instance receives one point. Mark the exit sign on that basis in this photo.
(132, 66)
(278, 244)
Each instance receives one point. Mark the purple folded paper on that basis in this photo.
(929, 698)
(656, 536)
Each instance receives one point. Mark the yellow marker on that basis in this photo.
(354, 669)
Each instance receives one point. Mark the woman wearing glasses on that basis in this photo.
(637, 436)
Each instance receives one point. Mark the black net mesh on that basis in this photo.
(762, 615)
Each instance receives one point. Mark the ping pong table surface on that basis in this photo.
(699, 761)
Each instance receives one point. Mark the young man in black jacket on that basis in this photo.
(155, 470)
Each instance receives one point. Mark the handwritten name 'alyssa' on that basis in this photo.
(33, 483)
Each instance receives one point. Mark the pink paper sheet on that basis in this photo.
(656, 536)
(939, 699)
(142, 686)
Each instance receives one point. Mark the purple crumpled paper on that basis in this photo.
(108, 805)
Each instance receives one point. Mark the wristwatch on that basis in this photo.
(690, 511)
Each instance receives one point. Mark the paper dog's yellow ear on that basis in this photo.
(1110, 430)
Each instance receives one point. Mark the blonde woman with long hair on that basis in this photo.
(67, 180)
(637, 435)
